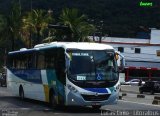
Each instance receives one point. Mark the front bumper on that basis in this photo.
(78, 100)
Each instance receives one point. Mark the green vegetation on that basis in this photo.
(26, 29)
(34, 23)
(79, 28)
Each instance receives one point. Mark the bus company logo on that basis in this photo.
(96, 94)
(96, 83)
(88, 93)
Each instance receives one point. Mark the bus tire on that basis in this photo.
(140, 91)
(96, 107)
(52, 100)
(152, 92)
(21, 93)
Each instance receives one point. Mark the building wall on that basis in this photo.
(155, 36)
(147, 53)
(145, 64)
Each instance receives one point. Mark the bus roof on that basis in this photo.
(76, 45)
(67, 45)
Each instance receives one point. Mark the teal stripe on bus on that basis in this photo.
(53, 81)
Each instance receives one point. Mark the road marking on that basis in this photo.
(141, 103)
(44, 109)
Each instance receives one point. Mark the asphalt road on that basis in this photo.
(130, 105)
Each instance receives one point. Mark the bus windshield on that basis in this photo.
(89, 65)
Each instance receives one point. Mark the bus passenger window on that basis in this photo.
(40, 61)
(50, 59)
(11, 62)
(20, 62)
(31, 61)
(60, 65)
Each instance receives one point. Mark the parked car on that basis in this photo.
(150, 86)
(134, 82)
(3, 80)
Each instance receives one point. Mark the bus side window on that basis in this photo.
(21, 61)
(11, 62)
(50, 59)
(40, 60)
(60, 65)
(31, 61)
(14, 63)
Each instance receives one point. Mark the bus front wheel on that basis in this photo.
(96, 107)
(21, 93)
(53, 102)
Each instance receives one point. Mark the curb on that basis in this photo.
(157, 97)
(140, 96)
(129, 92)
(156, 102)
(124, 94)
(120, 97)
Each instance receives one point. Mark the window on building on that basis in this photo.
(121, 49)
(137, 50)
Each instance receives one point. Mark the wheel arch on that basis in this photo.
(20, 88)
(51, 92)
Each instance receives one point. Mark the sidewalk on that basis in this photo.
(132, 92)
(130, 89)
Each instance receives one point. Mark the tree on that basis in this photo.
(3, 23)
(79, 28)
(14, 23)
(35, 22)
(10, 27)
(4, 43)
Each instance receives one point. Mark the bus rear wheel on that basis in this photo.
(21, 93)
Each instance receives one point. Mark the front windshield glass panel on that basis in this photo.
(92, 65)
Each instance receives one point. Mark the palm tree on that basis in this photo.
(85, 30)
(3, 40)
(14, 23)
(4, 32)
(36, 22)
(79, 28)
(3, 22)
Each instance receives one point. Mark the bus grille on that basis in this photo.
(95, 98)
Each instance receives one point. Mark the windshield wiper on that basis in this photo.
(114, 80)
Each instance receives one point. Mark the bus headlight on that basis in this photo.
(118, 87)
(71, 88)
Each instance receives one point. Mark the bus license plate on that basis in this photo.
(96, 103)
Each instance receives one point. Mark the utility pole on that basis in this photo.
(31, 5)
(101, 29)
(92, 21)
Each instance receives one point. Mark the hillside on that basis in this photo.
(121, 17)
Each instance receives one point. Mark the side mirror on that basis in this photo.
(68, 59)
(120, 61)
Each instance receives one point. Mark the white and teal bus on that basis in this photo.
(65, 73)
